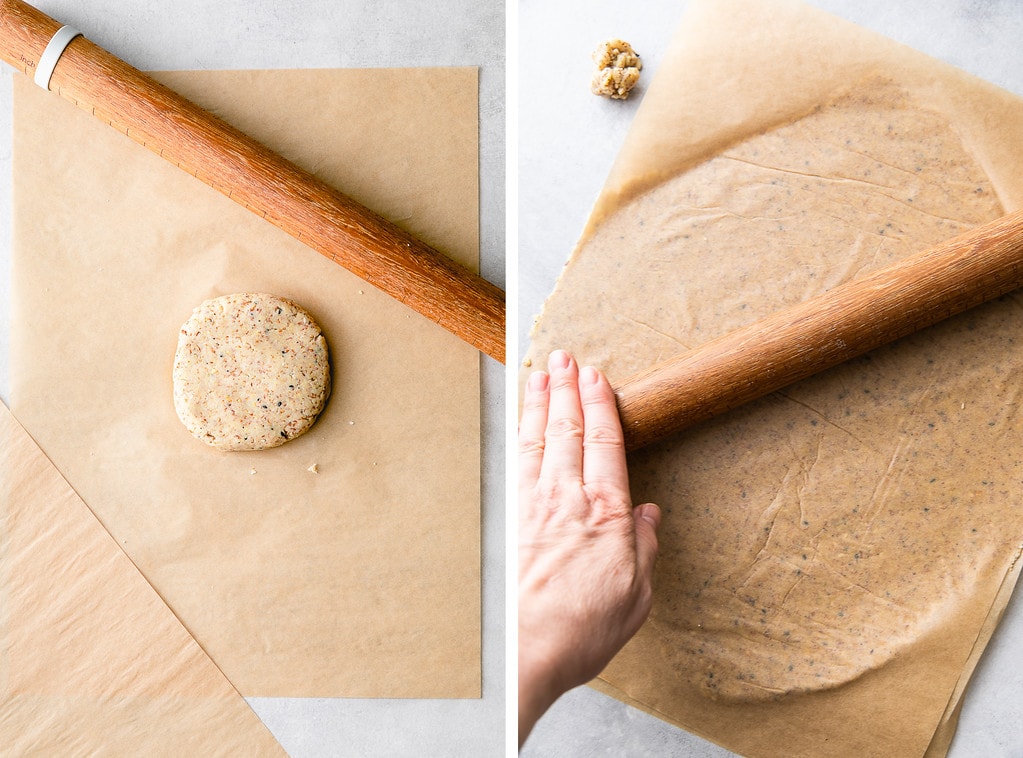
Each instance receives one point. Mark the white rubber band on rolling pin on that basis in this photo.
(54, 49)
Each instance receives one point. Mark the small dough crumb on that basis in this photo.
(528, 362)
(314, 469)
(618, 67)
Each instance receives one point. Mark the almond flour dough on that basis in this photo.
(618, 68)
(814, 535)
(251, 372)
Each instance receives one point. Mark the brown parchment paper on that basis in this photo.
(835, 556)
(92, 661)
(359, 580)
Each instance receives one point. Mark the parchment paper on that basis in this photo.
(93, 661)
(360, 580)
(834, 557)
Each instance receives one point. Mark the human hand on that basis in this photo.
(585, 554)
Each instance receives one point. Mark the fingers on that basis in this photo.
(532, 426)
(582, 438)
(603, 444)
(647, 518)
(563, 446)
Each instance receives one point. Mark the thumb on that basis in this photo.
(647, 518)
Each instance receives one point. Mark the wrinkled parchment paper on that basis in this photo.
(835, 556)
(93, 661)
(363, 578)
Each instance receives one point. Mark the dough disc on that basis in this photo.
(251, 372)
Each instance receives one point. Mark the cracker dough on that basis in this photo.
(811, 537)
(251, 372)
(905, 464)
(618, 67)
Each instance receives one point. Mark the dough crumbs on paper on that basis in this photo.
(618, 67)
(251, 372)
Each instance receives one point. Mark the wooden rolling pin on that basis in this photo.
(254, 176)
(840, 324)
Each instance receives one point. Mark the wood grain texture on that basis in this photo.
(252, 175)
(840, 324)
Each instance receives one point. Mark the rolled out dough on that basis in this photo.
(834, 557)
(819, 564)
(827, 530)
(251, 372)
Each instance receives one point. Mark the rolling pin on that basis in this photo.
(290, 198)
(840, 324)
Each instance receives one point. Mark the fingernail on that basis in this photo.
(538, 381)
(588, 375)
(559, 360)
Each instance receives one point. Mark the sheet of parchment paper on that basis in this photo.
(93, 661)
(360, 579)
(835, 556)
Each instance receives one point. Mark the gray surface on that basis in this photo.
(237, 34)
(567, 141)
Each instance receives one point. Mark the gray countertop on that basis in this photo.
(567, 141)
(265, 34)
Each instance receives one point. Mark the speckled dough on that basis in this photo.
(618, 67)
(819, 533)
(251, 372)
